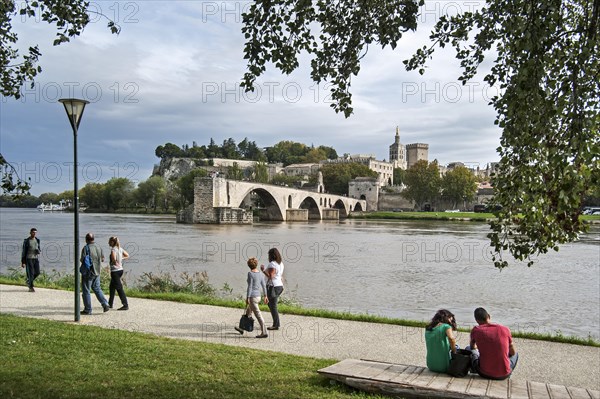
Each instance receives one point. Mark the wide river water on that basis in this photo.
(405, 269)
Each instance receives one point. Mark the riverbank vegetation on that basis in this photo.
(471, 216)
(62, 362)
(452, 216)
(194, 288)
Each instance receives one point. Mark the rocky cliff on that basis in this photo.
(174, 168)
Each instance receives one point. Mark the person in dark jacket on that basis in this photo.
(30, 257)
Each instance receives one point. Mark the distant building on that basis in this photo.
(404, 156)
(398, 152)
(416, 152)
(481, 174)
(385, 170)
(301, 169)
(401, 156)
(365, 188)
(224, 163)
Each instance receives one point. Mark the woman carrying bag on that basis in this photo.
(256, 285)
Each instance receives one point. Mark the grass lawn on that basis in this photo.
(48, 359)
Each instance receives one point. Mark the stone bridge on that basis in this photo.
(222, 201)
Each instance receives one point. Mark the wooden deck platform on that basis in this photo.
(418, 382)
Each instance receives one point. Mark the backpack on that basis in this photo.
(87, 263)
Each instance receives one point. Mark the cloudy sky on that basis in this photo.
(173, 73)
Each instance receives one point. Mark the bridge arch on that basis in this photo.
(271, 210)
(339, 205)
(314, 210)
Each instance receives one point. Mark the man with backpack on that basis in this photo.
(90, 275)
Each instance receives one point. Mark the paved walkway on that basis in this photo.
(555, 363)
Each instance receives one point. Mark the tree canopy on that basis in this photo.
(19, 67)
(459, 185)
(544, 58)
(336, 176)
(423, 182)
(277, 31)
(230, 150)
(285, 152)
(11, 181)
(185, 185)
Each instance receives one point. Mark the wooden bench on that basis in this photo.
(418, 382)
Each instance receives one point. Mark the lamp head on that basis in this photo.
(74, 108)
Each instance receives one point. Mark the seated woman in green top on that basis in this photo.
(440, 340)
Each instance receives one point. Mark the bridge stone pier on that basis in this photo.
(222, 201)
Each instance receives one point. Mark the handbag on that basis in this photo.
(246, 323)
(460, 363)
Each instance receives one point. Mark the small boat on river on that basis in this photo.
(50, 207)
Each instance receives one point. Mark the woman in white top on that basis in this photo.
(274, 273)
(117, 255)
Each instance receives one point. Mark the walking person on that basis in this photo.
(30, 257)
(256, 287)
(440, 340)
(117, 255)
(90, 279)
(493, 352)
(274, 273)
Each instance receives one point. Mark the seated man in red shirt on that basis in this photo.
(493, 352)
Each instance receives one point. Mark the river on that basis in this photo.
(405, 269)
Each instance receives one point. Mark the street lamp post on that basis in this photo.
(74, 108)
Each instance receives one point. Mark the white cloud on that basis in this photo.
(172, 75)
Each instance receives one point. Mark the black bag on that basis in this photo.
(460, 363)
(246, 323)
